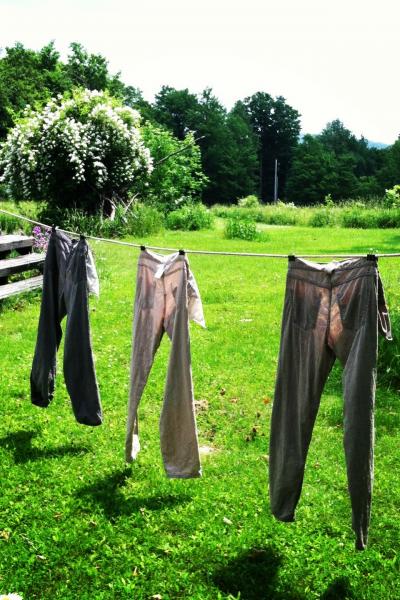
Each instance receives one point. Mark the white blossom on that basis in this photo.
(104, 145)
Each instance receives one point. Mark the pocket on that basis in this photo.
(305, 300)
(353, 299)
(145, 292)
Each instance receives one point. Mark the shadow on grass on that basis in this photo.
(20, 444)
(253, 575)
(339, 589)
(107, 493)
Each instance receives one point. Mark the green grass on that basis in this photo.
(76, 522)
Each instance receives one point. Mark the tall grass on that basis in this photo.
(348, 215)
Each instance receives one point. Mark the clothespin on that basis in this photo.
(372, 257)
(291, 257)
(53, 228)
(182, 252)
(143, 248)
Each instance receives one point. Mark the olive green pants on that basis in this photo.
(331, 311)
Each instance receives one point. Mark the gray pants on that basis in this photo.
(161, 305)
(65, 292)
(331, 311)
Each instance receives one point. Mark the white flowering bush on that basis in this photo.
(79, 150)
(392, 197)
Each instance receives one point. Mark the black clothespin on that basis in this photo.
(143, 248)
(82, 237)
(53, 228)
(291, 257)
(372, 257)
(182, 252)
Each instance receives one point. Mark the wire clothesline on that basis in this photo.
(188, 251)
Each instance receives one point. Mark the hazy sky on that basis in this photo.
(336, 59)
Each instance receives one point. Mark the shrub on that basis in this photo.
(249, 202)
(191, 217)
(322, 217)
(357, 218)
(139, 221)
(389, 352)
(176, 181)
(388, 218)
(392, 197)
(9, 224)
(144, 220)
(78, 151)
(241, 228)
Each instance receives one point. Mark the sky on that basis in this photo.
(328, 59)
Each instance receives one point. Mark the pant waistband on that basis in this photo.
(161, 264)
(333, 273)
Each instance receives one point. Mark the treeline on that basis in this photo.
(238, 147)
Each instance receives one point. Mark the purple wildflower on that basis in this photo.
(41, 239)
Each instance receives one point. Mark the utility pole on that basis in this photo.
(276, 181)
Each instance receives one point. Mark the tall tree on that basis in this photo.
(389, 174)
(313, 173)
(177, 110)
(242, 155)
(182, 112)
(27, 77)
(277, 127)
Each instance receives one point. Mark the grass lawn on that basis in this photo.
(76, 522)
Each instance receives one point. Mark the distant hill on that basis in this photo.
(378, 145)
(370, 143)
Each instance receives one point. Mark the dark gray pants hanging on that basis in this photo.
(331, 311)
(65, 293)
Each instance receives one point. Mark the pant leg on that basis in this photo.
(79, 370)
(305, 361)
(147, 335)
(178, 433)
(52, 311)
(357, 349)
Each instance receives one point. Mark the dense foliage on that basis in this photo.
(337, 163)
(177, 178)
(191, 217)
(238, 148)
(78, 151)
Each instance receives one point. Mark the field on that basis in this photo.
(76, 522)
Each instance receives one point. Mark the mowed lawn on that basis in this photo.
(77, 522)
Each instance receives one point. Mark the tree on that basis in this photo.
(177, 177)
(242, 155)
(389, 174)
(313, 173)
(357, 164)
(177, 110)
(86, 70)
(204, 115)
(83, 150)
(277, 127)
(27, 78)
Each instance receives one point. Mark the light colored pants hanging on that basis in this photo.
(166, 297)
(331, 311)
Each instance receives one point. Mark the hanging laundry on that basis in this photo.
(331, 311)
(166, 298)
(69, 274)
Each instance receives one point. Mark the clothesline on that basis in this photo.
(188, 251)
